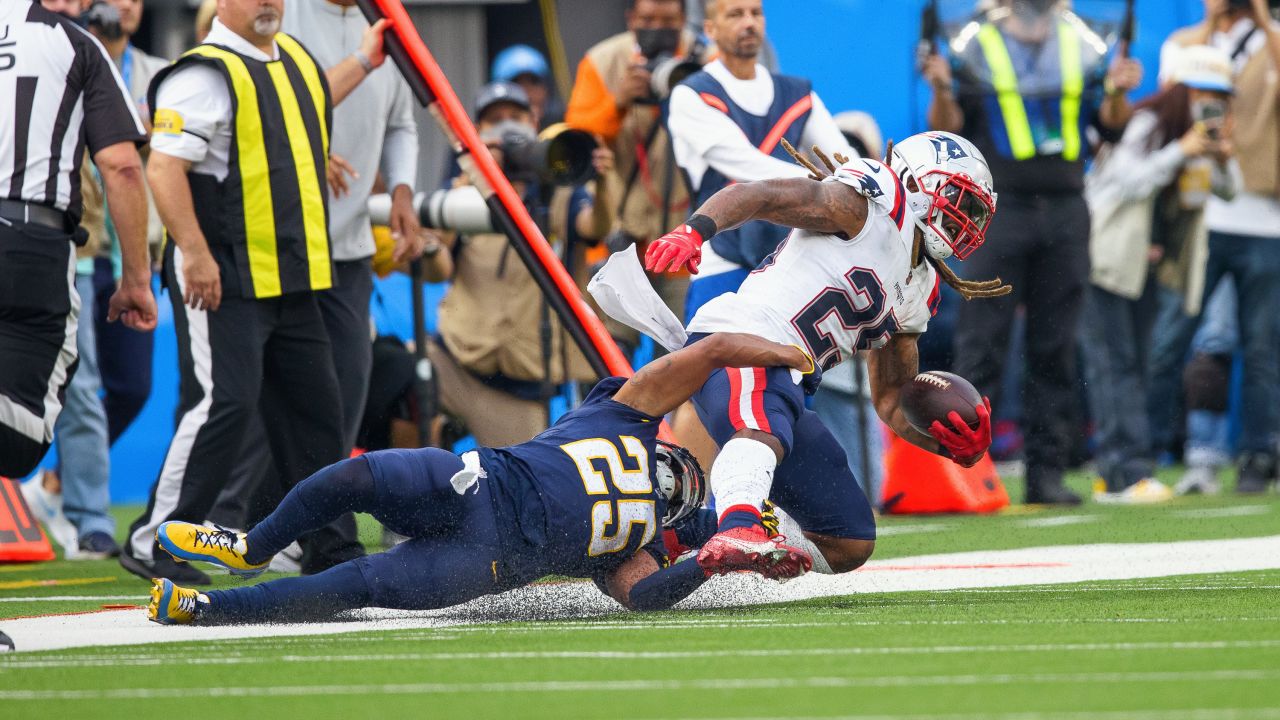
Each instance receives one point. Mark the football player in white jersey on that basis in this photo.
(861, 271)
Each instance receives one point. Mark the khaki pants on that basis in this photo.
(495, 418)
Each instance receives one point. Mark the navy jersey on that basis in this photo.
(581, 495)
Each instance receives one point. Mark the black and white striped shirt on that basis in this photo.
(59, 92)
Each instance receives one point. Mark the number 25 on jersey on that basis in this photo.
(597, 456)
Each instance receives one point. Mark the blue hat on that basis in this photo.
(499, 92)
(518, 60)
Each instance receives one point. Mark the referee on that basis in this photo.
(239, 157)
(60, 93)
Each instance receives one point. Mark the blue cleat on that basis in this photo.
(171, 604)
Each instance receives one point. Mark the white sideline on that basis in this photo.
(982, 569)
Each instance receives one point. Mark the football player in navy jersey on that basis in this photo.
(589, 497)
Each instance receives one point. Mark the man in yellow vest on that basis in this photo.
(1032, 78)
(239, 157)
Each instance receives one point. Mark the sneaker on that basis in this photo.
(47, 507)
(288, 560)
(163, 566)
(97, 545)
(750, 549)
(1146, 491)
(188, 542)
(1051, 494)
(1255, 473)
(173, 605)
(1198, 479)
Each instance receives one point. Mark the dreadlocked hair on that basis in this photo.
(968, 289)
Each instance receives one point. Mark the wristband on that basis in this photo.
(703, 225)
(364, 61)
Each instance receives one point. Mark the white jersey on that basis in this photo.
(831, 295)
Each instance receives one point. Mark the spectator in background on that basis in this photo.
(124, 354)
(1243, 236)
(726, 125)
(1147, 196)
(528, 68)
(613, 99)
(500, 354)
(373, 132)
(1013, 70)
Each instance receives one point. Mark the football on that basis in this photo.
(933, 395)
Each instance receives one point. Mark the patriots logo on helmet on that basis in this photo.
(947, 148)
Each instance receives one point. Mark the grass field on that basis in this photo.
(1200, 647)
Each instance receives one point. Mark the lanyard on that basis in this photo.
(126, 67)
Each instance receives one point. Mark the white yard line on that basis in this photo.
(575, 601)
(631, 686)
(1058, 521)
(1237, 511)
(1196, 714)
(224, 657)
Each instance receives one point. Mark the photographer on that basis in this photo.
(1147, 197)
(613, 97)
(1243, 235)
(501, 355)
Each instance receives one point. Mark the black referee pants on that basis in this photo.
(1040, 245)
(270, 356)
(39, 309)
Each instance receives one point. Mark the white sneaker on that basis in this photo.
(288, 560)
(47, 507)
(1199, 479)
(1146, 491)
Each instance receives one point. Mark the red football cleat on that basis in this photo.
(750, 549)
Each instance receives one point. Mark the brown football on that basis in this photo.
(933, 395)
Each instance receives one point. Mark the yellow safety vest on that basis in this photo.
(269, 219)
(1012, 108)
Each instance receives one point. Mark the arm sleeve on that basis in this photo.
(1133, 172)
(821, 130)
(591, 106)
(711, 134)
(668, 586)
(191, 105)
(110, 115)
(400, 146)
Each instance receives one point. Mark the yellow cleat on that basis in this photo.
(172, 605)
(187, 541)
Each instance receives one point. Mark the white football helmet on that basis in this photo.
(949, 190)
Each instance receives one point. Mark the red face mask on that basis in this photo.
(961, 212)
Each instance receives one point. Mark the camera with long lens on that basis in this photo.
(462, 210)
(103, 18)
(559, 155)
(666, 69)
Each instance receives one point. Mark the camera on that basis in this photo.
(461, 210)
(103, 18)
(1209, 115)
(559, 155)
(666, 69)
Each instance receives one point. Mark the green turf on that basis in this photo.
(1188, 643)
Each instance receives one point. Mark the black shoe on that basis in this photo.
(98, 545)
(1255, 473)
(164, 566)
(1051, 494)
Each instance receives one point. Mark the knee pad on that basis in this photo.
(1206, 382)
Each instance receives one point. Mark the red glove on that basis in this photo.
(682, 246)
(965, 444)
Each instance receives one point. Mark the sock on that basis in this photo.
(308, 597)
(313, 503)
(740, 480)
(789, 528)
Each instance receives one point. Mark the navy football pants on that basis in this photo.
(450, 558)
(813, 483)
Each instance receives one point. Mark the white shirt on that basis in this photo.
(373, 129)
(835, 296)
(198, 95)
(1249, 213)
(704, 137)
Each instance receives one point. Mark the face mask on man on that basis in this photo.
(659, 41)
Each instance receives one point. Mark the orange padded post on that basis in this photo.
(21, 539)
(918, 482)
